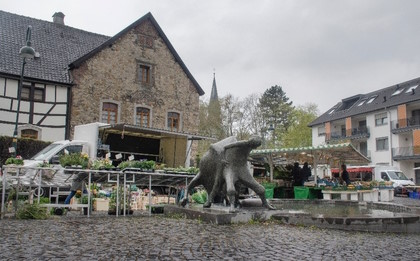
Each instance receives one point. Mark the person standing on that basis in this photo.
(306, 171)
(344, 174)
(297, 175)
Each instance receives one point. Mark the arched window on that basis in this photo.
(143, 116)
(109, 113)
(29, 134)
(173, 121)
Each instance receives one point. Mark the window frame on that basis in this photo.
(321, 131)
(170, 121)
(117, 105)
(385, 146)
(145, 74)
(383, 119)
(30, 91)
(136, 113)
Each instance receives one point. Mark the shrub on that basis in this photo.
(27, 148)
(32, 211)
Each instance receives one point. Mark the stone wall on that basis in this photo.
(112, 74)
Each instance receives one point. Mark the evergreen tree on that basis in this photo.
(276, 111)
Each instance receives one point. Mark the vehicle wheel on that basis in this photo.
(42, 192)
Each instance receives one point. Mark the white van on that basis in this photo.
(390, 173)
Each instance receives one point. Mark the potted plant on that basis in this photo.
(75, 160)
(47, 172)
(101, 164)
(85, 200)
(13, 163)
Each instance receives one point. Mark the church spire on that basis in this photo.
(213, 95)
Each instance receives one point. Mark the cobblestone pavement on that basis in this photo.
(140, 237)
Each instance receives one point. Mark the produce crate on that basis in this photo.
(269, 190)
(301, 192)
(315, 193)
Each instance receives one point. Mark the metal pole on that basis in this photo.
(125, 192)
(150, 194)
(17, 189)
(89, 197)
(39, 185)
(3, 194)
(15, 132)
(118, 198)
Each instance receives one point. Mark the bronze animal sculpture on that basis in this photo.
(223, 168)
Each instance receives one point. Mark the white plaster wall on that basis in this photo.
(317, 140)
(52, 134)
(11, 88)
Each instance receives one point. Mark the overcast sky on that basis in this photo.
(318, 51)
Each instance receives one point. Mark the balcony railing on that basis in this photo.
(406, 153)
(356, 133)
(405, 124)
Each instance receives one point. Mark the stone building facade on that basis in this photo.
(113, 75)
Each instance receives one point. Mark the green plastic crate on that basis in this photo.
(269, 193)
(301, 192)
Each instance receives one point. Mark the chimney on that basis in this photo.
(58, 18)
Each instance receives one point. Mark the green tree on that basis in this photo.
(298, 133)
(231, 114)
(276, 110)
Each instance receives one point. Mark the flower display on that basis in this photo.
(18, 160)
(101, 164)
(75, 160)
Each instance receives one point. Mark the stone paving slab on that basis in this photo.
(140, 237)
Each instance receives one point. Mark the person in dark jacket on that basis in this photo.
(306, 171)
(297, 175)
(344, 174)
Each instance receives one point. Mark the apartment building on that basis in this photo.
(383, 125)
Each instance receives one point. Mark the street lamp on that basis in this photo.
(25, 52)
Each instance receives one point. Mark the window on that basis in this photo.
(31, 93)
(331, 111)
(381, 119)
(144, 74)
(173, 121)
(143, 117)
(29, 134)
(321, 131)
(371, 99)
(411, 89)
(109, 113)
(382, 144)
(361, 102)
(71, 149)
(398, 91)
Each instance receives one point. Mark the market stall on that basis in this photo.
(120, 178)
(332, 155)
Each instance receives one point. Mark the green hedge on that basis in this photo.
(25, 147)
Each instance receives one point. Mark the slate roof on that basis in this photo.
(60, 47)
(349, 107)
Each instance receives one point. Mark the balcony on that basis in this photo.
(405, 125)
(406, 153)
(356, 133)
